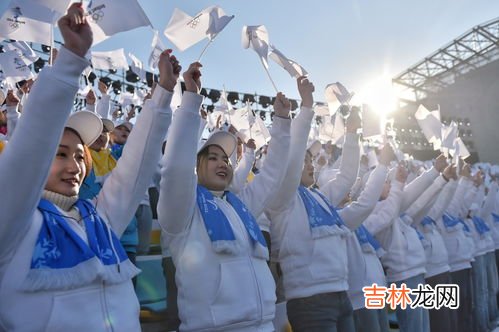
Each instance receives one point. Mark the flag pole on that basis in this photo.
(270, 77)
(250, 125)
(204, 50)
(51, 57)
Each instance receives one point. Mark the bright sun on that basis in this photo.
(379, 94)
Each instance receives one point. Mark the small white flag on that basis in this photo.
(27, 21)
(184, 30)
(157, 49)
(336, 95)
(293, 68)
(251, 115)
(14, 67)
(109, 60)
(58, 6)
(430, 125)
(137, 67)
(223, 104)
(449, 135)
(460, 148)
(108, 17)
(257, 38)
(23, 51)
(371, 123)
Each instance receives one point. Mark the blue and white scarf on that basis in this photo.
(450, 222)
(323, 222)
(428, 223)
(480, 225)
(61, 258)
(367, 241)
(495, 217)
(219, 229)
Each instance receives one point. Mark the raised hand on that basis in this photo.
(402, 174)
(450, 172)
(466, 171)
(282, 105)
(354, 122)
(305, 88)
(386, 155)
(102, 88)
(192, 77)
(478, 179)
(90, 98)
(440, 163)
(75, 30)
(169, 70)
(251, 144)
(11, 99)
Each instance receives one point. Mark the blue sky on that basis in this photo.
(354, 42)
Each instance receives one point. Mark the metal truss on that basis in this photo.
(476, 48)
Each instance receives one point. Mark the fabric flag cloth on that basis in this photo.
(23, 50)
(460, 148)
(14, 67)
(339, 130)
(108, 17)
(251, 115)
(449, 135)
(184, 30)
(371, 123)
(58, 6)
(293, 68)
(223, 104)
(257, 37)
(28, 21)
(157, 49)
(109, 60)
(430, 125)
(137, 67)
(336, 95)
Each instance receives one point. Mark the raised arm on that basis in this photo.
(354, 214)
(489, 203)
(104, 105)
(177, 198)
(445, 196)
(243, 167)
(386, 211)
(13, 115)
(417, 186)
(125, 187)
(300, 128)
(24, 165)
(338, 187)
(257, 193)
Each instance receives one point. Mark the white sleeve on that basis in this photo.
(416, 187)
(337, 188)
(443, 200)
(426, 197)
(43, 120)
(178, 177)
(103, 106)
(384, 216)
(354, 214)
(490, 201)
(242, 170)
(257, 193)
(124, 189)
(12, 117)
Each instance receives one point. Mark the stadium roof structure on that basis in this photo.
(474, 49)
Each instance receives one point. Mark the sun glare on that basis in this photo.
(379, 94)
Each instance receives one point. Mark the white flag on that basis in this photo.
(449, 135)
(108, 17)
(157, 49)
(27, 21)
(109, 60)
(137, 67)
(321, 109)
(184, 30)
(257, 38)
(58, 6)
(260, 133)
(251, 115)
(430, 125)
(293, 68)
(460, 148)
(23, 50)
(223, 104)
(14, 67)
(336, 95)
(218, 21)
(239, 119)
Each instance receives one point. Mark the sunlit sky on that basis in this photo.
(354, 42)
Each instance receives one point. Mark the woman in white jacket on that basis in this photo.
(308, 236)
(219, 252)
(61, 265)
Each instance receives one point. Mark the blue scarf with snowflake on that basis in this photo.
(63, 260)
(323, 222)
(495, 217)
(480, 225)
(367, 241)
(218, 226)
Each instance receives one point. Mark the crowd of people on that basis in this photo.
(297, 222)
